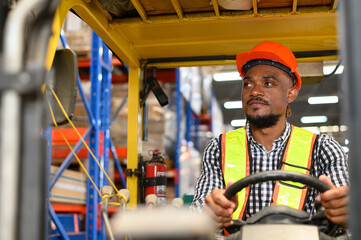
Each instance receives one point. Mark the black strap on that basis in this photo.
(312, 165)
(220, 156)
(155, 181)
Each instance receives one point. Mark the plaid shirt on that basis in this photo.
(329, 157)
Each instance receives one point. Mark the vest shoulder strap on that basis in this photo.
(297, 157)
(236, 164)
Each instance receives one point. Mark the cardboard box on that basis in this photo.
(70, 187)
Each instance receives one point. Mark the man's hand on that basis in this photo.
(220, 207)
(335, 201)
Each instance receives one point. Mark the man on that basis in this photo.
(268, 142)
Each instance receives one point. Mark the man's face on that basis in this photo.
(266, 93)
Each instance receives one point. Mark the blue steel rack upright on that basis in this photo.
(192, 126)
(96, 80)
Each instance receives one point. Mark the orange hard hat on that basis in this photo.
(270, 53)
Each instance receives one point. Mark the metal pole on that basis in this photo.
(105, 108)
(196, 131)
(47, 134)
(10, 163)
(179, 106)
(189, 122)
(93, 169)
(351, 50)
(13, 51)
(134, 145)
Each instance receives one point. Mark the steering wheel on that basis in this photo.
(298, 216)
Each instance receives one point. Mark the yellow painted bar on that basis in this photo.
(133, 142)
(99, 22)
(255, 8)
(54, 39)
(94, 16)
(140, 10)
(178, 8)
(318, 59)
(294, 6)
(216, 8)
(231, 62)
(192, 64)
(334, 5)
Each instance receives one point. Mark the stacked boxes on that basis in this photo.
(70, 188)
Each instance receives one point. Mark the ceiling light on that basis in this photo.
(238, 122)
(232, 104)
(343, 128)
(313, 119)
(227, 76)
(323, 100)
(329, 69)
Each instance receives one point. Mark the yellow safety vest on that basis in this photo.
(297, 157)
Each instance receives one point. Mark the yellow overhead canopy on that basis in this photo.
(137, 39)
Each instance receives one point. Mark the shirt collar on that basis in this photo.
(284, 136)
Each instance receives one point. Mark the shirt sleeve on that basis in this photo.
(211, 176)
(333, 161)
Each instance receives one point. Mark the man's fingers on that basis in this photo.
(337, 203)
(223, 212)
(326, 180)
(220, 207)
(335, 194)
(336, 212)
(220, 199)
(222, 221)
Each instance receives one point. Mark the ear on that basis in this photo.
(292, 94)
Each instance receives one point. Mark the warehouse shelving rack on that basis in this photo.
(192, 122)
(98, 134)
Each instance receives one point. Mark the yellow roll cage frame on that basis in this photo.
(185, 38)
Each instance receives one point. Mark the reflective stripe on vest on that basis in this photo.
(235, 164)
(297, 157)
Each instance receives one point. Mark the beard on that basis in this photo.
(263, 121)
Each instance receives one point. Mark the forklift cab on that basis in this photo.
(168, 34)
(164, 34)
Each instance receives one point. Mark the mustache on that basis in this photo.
(257, 99)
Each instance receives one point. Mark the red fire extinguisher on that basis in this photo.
(155, 181)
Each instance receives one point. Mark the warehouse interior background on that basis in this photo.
(203, 101)
(214, 92)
